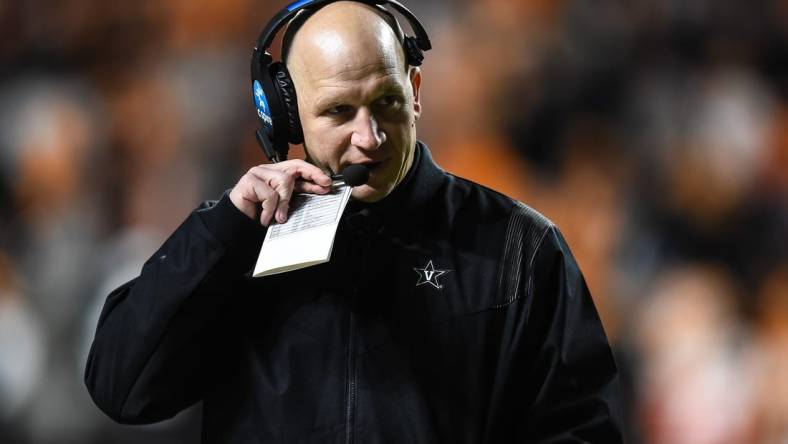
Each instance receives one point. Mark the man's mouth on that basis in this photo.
(372, 166)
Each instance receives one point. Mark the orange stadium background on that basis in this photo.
(654, 133)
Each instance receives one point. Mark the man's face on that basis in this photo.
(358, 105)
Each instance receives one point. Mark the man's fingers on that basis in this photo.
(308, 187)
(269, 188)
(282, 183)
(266, 197)
(269, 206)
(314, 174)
(306, 171)
(281, 210)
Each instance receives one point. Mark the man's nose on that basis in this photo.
(366, 134)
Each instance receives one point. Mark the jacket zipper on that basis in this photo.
(350, 411)
(351, 379)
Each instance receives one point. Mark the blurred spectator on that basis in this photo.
(52, 129)
(53, 133)
(697, 382)
(22, 347)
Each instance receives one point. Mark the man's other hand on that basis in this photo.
(265, 190)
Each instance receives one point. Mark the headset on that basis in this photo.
(274, 93)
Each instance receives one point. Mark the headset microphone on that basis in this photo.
(352, 175)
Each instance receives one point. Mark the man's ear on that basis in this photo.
(415, 83)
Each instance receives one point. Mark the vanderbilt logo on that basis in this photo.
(429, 275)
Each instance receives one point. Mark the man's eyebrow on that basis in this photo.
(328, 103)
(385, 87)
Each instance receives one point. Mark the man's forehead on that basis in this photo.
(350, 69)
(329, 91)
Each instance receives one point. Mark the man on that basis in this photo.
(448, 312)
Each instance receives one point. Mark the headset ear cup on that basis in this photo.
(272, 135)
(413, 53)
(287, 92)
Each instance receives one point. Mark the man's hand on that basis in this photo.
(266, 189)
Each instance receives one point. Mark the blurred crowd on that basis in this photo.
(653, 132)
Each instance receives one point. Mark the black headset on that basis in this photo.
(274, 93)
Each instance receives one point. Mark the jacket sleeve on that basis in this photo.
(154, 338)
(560, 382)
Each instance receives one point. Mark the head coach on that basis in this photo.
(447, 313)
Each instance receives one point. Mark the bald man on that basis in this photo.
(448, 312)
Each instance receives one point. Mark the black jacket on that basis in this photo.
(448, 313)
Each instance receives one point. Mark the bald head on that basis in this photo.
(343, 36)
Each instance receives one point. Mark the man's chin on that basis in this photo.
(368, 194)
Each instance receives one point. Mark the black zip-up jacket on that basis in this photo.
(448, 313)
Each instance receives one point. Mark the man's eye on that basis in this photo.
(388, 100)
(339, 110)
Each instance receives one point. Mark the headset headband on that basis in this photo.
(283, 17)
